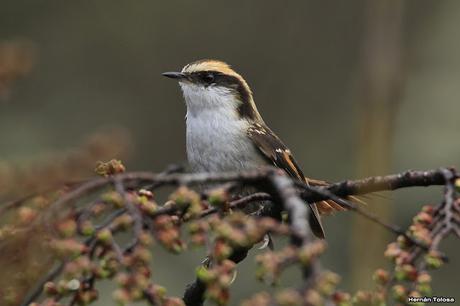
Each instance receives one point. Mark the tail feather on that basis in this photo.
(327, 207)
(315, 222)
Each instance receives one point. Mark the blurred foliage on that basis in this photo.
(105, 229)
(25, 250)
(21, 178)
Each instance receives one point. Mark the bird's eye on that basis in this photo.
(208, 78)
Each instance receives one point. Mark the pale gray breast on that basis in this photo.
(217, 141)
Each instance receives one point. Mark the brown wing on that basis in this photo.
(279, 155)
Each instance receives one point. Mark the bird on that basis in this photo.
(225, 131)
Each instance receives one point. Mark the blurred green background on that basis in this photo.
(315, 78)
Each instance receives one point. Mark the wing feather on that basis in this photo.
(279, 155)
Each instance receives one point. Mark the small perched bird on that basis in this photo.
(225, 131)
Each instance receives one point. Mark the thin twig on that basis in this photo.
(240, 203)
(351, 206)
(38, 289)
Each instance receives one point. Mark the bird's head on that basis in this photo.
(214, 85)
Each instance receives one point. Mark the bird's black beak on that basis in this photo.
(174, 75)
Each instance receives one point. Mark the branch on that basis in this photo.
(341, 189)
(274, 186)
(298, 213)
(446, 216)
(409, 178)
(38, 289)
(324, 192)
(284, 191)
(194, 292)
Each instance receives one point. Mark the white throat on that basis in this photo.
(199, 98)
(216, 134)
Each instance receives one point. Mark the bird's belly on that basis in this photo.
(214, 146)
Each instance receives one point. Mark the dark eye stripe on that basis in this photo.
(228, 81)
(215, 77)
(207, 77)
